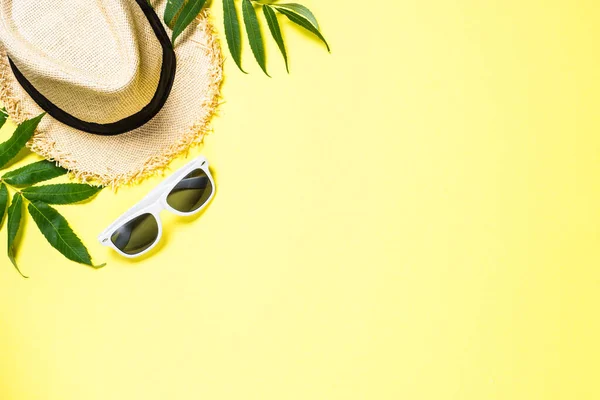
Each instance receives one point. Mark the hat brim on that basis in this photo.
(130, 157)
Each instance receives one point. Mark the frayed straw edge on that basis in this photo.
(45, 146)
(10, 102)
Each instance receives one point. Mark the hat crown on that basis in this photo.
(98, 60)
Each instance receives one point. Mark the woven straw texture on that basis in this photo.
(109, 70)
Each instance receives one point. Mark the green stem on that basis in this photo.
(12, 187)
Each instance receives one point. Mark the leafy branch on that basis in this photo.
(22, 181)
(180, 13)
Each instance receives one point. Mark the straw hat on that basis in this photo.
(122, 102)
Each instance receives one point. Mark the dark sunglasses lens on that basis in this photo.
(137, 235)
(191, 192)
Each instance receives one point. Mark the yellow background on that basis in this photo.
(415, 216)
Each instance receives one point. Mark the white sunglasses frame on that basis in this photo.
(155, 202)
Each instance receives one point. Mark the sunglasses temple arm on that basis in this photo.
(124, 236)
(199, 182)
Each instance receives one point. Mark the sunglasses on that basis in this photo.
(184, 193)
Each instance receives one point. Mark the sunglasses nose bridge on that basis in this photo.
(156, 210)
(160, 205)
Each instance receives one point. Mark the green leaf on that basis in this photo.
(3, 116)
(300, 10)
(276, 32)
(254, 35)
(24, 132)
(188, 13)
(3, 202)
(232, 32)
(303, 22)
(34, 173)
(171, 10)
(65, 193)
(58, 233)
(15, 212)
